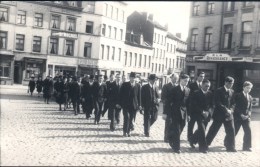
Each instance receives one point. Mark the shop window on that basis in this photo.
(103, 29)
(211, 8)
(230, 6)
(102, 52)
(38, 19)
(113, 53)
(71, 24)
(89, 27)
(119, 54)
(37, 44)
(21, 17)
(5, 69)
(208, 38)
(33, 69)
(3, 39)
(54, 46)
(246, 34)
(69, 49)
(228, 29)
(108, 50)
(19, 42)
(55, 21)
(90, 6)
(3, 14)
(87, 49)
(196, 9)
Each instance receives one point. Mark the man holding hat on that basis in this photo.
(150, 103)
(130, 101)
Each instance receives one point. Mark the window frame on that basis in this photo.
(1, 14)
(59, 21)
(208, 38)
(210, 7)
(243, 33)
(194, 39)
(21, 17)
(228, 31)
(68, 23)
(38, 20)
(72, 50)
(87, 49)
(52, 43)
(38, 43)
(6, 39)
(19, 44)
(88, 27)
(195, 9)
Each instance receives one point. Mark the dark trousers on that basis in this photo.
(199, 135)
(115, 116)
(128, 120)
(106, 107)
(175, 131)
(247, 132)
(229, 141)
(191, 124)
(149, 118)
(168, 122)
(98, 111)
(75, 104)
(195, 137)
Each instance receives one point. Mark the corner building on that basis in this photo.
(224, 39)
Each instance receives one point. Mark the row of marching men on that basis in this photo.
(195, 103)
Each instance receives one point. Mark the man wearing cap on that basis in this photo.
(223, 114)
(193, 87)
(166, 93)
(130, 101)
(150, 103)
(178, 99)
(87, 93)
(99, 97)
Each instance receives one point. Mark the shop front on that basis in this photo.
(87, 67)
(6, 68)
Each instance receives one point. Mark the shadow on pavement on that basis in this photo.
(78, 129)
(20, 97)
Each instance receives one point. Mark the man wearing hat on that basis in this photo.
(150, 103)
(87, 92)
(223, 114)
(179, 101)
(130, 101)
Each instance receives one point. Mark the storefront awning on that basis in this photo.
(7, 53)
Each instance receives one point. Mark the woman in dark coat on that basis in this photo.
(39, 85)
(31, 85)
(47, 84)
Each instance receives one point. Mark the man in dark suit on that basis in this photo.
(150, 103)
(242, 114)
(87, 92)
(114, 106)
(108, 94)
(201, 103)
(178, 99)
(75, 94)
(130, 101)
(193, 87)
(99, 97)
(223, 114)
(166, 90)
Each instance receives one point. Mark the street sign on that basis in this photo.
(217, 57)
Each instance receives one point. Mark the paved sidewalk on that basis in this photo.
(34, 133)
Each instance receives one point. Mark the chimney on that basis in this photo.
(178, 35)
(150, 17)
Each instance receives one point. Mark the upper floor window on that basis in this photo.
(248, 3)
(19, 42)
(211, 7)
(73, 3)
(3, 14)
(90, 6)
(115, 30)
(228, 29)
(55, 21)
(140, 60)
(194, 39)
(208, 38)
(3, 39)
(87, 49)
(54, 46)
(37, 44)
(89, 27)
(246, 40)
(108, 51)
(69, 49)
(71, 24)
(113, 53)
(116, 13)
(230, 6)
(102, 51)
(119, 54)
(196, 9)
(121, 34)
(111, 12)
(103, 31)
(38, 19)
(109, 31)
(21, 17)
(125, 58)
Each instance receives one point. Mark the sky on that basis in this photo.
(176, 14)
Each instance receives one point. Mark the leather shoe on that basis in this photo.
(129, 135)
(247, 149)
(147, 135)
(124, 134)
(177, 151)
(204, 151)
(192, 145)
(231, 150)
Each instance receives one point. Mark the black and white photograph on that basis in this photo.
(129, 83)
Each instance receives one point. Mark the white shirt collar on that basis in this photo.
(151, 85)
(226, 88)
(246, 94)
(198, 83)
(203, 91)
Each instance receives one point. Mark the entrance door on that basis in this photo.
(18, 72)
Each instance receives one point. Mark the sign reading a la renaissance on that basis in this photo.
(217, 57)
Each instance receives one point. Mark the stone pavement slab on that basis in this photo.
(35, 133)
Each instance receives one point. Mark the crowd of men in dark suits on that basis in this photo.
(183, 101)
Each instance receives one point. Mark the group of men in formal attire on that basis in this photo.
(195, 103)
(183, 101)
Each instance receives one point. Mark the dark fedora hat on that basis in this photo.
(91, 77)
(152, 77)
(132, 74)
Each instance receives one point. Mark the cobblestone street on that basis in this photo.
(35, 133)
